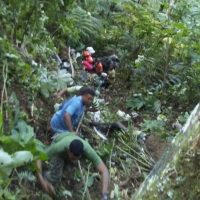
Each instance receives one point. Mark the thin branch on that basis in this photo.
(85, 182)
(147, 160)
(70, 61)
(111, 154)
(4, 90)
(136, 159)
(171, 6)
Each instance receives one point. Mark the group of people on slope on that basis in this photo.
(67, 146)
(104, 67)
(89, 64)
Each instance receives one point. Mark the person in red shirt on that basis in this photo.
(88, 62)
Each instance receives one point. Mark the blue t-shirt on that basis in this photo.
(74, 107)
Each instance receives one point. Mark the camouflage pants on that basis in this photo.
(55, 170)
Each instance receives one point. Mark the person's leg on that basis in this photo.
(55, 171)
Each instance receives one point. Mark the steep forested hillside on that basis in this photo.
(156, 86)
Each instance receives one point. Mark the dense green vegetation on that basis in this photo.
(159, 50)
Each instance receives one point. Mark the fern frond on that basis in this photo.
(84, 22)
(26, 176)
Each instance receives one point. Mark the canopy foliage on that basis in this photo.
(157, 42)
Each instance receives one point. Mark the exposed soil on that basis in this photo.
(156, 146)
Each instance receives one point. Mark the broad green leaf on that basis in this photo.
(23, 133)
(6, 162)
(6, 194)
(9, 144)
(135, 103)
(91, 179)
(157, 106)
(66, 193)
(153, 125)
(44, 90)
(5, 158)
(21, 157)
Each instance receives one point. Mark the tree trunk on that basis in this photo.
(176, 176)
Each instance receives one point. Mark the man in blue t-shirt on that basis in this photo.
(70, 112)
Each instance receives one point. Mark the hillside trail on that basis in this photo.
(114, 98)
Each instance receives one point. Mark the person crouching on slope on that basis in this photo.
(64, 149)
(67, 118)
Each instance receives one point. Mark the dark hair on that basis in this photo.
(76, 148)
(86, 90)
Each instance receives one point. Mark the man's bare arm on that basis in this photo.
(105, 177)
(61, 93)
(46, 186)
(68, 122)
